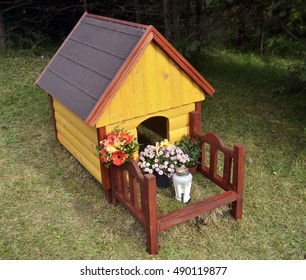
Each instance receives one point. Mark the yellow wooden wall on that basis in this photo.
(178, 122)
(155, 84)
(79, 138)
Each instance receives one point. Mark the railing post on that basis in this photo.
(150, 212)
(105, 174)
(195, 123)
(115, 182)
(238, 180)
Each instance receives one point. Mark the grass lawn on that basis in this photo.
(52, 208)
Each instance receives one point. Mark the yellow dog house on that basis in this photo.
(110, 73)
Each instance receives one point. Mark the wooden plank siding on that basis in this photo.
(155, 84)
(178, 121)
(78, 138)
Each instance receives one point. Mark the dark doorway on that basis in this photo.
(152, 130)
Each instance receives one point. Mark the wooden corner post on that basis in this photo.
(150, 213)
(238, 180)
(105, 173)
(53, 117)
(195, 119)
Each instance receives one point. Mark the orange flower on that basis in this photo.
(111, 137)
(126, 137)
(119, 157)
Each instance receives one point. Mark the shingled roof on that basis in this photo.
(95, 59)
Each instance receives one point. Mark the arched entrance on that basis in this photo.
(152, 130)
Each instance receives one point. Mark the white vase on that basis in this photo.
(182, 185)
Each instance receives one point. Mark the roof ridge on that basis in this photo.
(120, 21)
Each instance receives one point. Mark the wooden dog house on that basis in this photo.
(110, 73)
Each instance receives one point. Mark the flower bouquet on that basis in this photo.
(162, 159)
(117, 148)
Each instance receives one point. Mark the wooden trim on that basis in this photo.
(198, 107)
(215, 141)
(105, 174)
(53, 118)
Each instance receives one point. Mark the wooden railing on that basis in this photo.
(232, 176)
(137, 192)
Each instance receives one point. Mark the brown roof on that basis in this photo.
(94, 60)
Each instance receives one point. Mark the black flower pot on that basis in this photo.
(162, 181)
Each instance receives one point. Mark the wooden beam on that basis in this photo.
(180, 216)
(194, 123)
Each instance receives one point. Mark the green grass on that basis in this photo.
(52, 208)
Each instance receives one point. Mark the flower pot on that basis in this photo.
(162, 181)
(193, 169)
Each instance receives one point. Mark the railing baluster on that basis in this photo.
(213, 162)
(203, 157)
(227, 169)
(124, 184)
(133, 191)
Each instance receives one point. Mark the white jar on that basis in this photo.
(182, 184)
